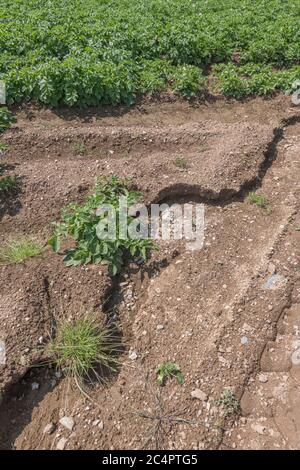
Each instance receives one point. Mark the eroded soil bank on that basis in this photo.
(209, 310)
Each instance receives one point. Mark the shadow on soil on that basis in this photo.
(20, 400)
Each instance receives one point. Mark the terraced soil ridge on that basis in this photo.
(206, 310)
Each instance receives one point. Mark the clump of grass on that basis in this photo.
(20, 249)
(261, 201)
(167, 370)
(83, 347)
(79, 148)
(7, 183)
(229, 403)
(181, 163)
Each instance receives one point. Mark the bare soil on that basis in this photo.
(207, 310)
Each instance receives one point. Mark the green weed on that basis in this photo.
(260, 201)
(181, 163)
(83, 348)
(166, 371)
(20, 249)
(3, 147)
(79, 148)
(7, 184)
(229, 403)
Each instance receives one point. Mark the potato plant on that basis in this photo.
(109, 52)
(81, 223)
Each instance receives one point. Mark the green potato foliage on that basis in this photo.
(87, 52)
(93, 244)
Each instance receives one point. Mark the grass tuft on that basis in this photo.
(260, 201)
(181, 163)
(79, 148)
(83, 347)
(18, 250)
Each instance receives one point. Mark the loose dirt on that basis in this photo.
(211, 311)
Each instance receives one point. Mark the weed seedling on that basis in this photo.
(79, 148)
(229, 403)
(166, 371)
(181, 163)
(260, 201)
(18, 250)
(7, 183)
(3, 147)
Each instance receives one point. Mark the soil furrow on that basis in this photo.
(206, 310)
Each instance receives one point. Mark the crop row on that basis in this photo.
(86, 52)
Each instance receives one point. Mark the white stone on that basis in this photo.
(49, 429)
(197, 393)
(67, 422)
(2, 352)
(259, 428)
(263, 378)
(133, 355)
(61, 444)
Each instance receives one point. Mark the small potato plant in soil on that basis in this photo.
(90, 233)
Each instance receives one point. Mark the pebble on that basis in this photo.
(160, 327)
(263, 378)
(61, 444)
(133, 355)
(35, 386)
(49, 428)
(259, 428)
(197, 393)
(67, 422)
